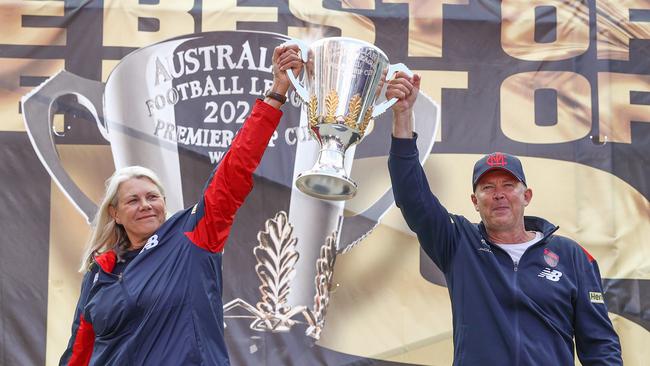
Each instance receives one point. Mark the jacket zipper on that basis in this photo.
(515, 270)
(515, 289)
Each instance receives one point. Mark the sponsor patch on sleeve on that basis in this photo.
(596, 297)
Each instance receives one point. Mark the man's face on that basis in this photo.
(500, 199)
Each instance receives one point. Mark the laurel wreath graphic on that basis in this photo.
(331, 103)
(312, 108)
(354, 108)
(323, 281)
(366, 120)
(276, 257)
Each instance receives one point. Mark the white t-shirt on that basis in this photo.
(517, 250)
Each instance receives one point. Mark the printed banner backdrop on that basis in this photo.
(563, 84)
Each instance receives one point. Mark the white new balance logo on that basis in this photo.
(552, 275)
(152, 242)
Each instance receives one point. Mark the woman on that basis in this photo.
(151, 294)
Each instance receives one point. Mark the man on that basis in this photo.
(520, 294)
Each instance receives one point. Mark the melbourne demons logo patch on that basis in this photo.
(497, 159)
(551, 258)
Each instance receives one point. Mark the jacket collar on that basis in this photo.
(534, 223)
(106, 260)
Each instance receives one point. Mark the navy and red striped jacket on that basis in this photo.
(166, 307)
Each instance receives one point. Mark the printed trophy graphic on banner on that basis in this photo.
(175, 107)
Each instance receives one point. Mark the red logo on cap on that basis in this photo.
(497, 159)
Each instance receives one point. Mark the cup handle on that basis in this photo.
(392, 70)
(355, 228)
(38, 107)
(304, 54)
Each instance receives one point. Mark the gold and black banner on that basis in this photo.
(88, 86)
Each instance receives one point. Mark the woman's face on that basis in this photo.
(140, 209)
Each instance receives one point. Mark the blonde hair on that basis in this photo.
(106, 234)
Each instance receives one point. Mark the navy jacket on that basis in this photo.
(166, 308)
(507, 314)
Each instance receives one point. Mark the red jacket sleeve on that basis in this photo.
(82, 340)
(232, 180)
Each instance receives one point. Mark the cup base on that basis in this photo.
(326, 186)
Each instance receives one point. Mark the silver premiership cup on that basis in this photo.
(344, 78)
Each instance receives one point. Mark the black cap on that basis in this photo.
(498, 160)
